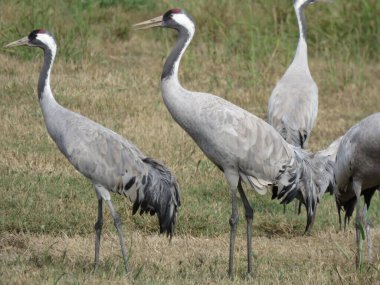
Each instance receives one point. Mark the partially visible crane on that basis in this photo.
(109, 161)
(357, 172)
(293, 105)
(243, 146)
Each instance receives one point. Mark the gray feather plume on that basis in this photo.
(159, 195)
(308, 178)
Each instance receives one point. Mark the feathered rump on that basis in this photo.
(306, 179)
(160, 195)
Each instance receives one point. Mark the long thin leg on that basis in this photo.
(233, 222)
(117, 223)
(249, 217)
(98, 230)
(358, 224)
(368, 233)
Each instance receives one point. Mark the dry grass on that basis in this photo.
(328, 257)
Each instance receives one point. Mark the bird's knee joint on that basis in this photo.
(234, 220)
(99, 225)
(249, 214)
(117, 222)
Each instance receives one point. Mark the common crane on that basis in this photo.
(293, 104)
(109, 161)
(243, 146)
(356, 172)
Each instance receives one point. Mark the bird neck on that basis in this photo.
(300, 13)
(170, 71)
(44, 91)
(301, 52)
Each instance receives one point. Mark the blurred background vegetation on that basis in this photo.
(250, 29)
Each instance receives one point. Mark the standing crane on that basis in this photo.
(293, 105)
(244, 147)
(356, 172)
(109, 161)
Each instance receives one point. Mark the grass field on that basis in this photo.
(109, 73)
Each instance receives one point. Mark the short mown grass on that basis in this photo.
(109, 73)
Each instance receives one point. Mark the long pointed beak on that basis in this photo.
(155, 22)
(20, 42)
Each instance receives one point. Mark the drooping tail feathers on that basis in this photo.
(160, 196)
(330, 153)
(306, 179)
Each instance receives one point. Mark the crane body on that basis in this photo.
(356, 173)
(108, 160)
(246, 148)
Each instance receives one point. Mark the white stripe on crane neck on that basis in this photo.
(48, 41)
(50, 51)
(185, 22)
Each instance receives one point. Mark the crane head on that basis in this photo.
(37, 38)
(174, 18)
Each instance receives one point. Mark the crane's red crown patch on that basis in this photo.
(176, 10)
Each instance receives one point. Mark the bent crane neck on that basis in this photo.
(44, 91)
(170, 70)
(51, 110)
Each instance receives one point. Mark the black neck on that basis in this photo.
(45, 71)
(176, 53)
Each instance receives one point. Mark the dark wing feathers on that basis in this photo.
(160, 195)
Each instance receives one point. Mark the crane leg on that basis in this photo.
(249, 217)
(233, 223)
(358, 224)
(119, 229)
(98, 231)
(368, 233)
(299, 206)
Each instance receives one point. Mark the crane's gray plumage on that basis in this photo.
(293, 105)
(331, 150)
(329, 155)
(107, 159)
(244, 147)
(356, 173)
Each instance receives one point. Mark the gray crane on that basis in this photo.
(108, 160)
(331, 150)
(243, 146)
(293, 105)
(356, 172)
